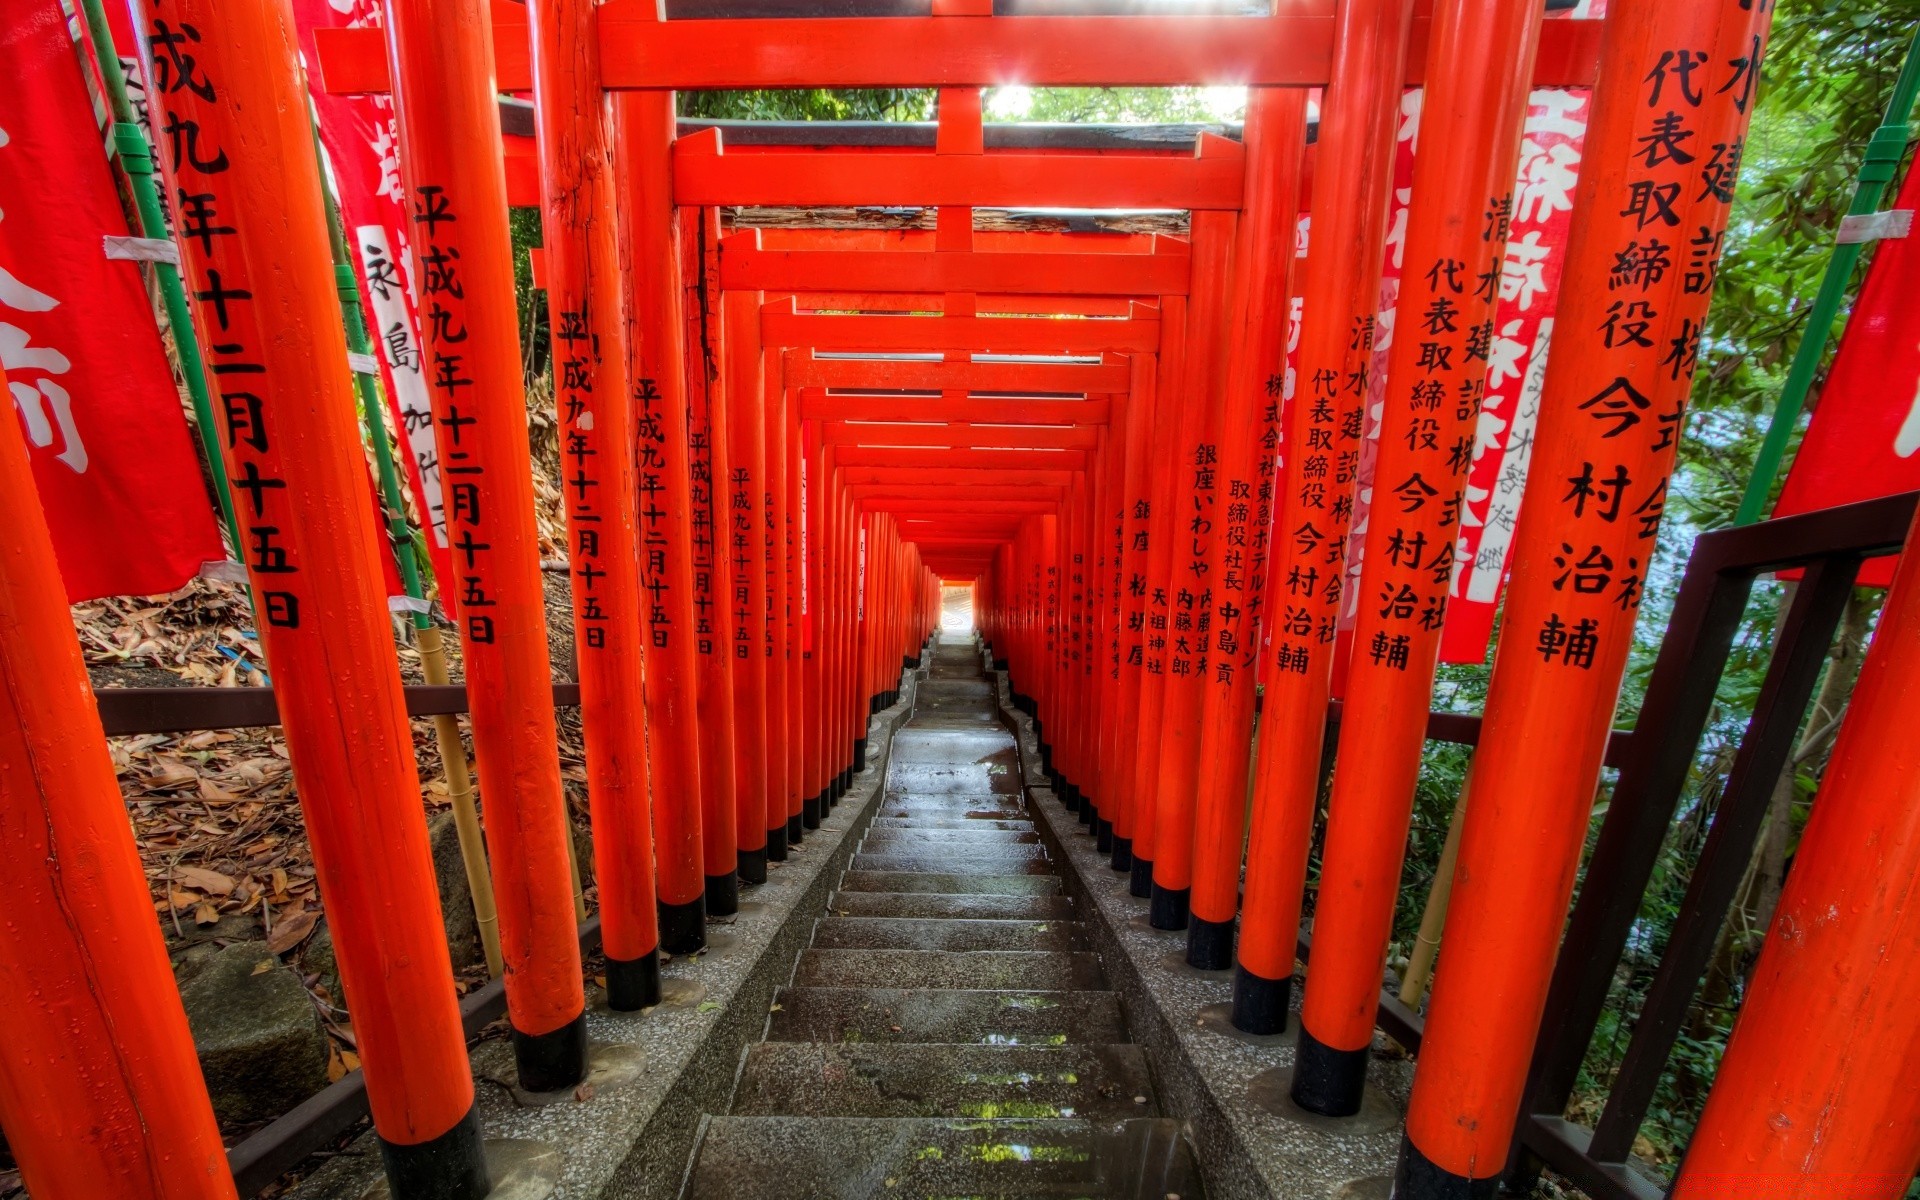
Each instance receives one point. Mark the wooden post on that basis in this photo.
(592, 360)
(262, 282)
(1135, 507)
(1639, 275)
(783, 821)
(1360, 115)
(1482, 55)
(1249, 404)
(643, 125)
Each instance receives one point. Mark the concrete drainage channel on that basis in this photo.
(628, 1132)
(1251, 1141)
(948, 1032)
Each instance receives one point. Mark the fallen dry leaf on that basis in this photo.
(212, 882)
(291, 929)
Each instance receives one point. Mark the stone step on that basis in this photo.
(928, 904)
(1020, 970)
(954, 824)
(977, 809)
(866, 1158)
(802, 1079)
(974, 863)
(970, 1017)
(960, 936)
(951, 882)
(937, 838)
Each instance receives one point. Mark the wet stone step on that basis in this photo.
(989, 1082)
(906, 933)
(968, 1017)
(857, 1158)
(1022, 970)
(923, 905)
(952, 824)
(974, 808)
(940, 838)
(943, 881)
(978, 862)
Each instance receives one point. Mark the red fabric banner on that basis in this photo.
(1864, 439)
(111, 451)
(363, 158)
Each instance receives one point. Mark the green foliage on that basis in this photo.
(812, 104)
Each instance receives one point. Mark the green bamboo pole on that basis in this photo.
(1885, 149)
(433, 652)
(136, 159)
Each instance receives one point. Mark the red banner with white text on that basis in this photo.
(1864, 439)
(112, 454)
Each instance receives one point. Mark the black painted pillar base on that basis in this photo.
(753, 865)
(859, 758)
(796, 829)
(1141, 884)
(633, 985)
(1260, 1005)
(999, 664)
(1102, 835)
(683, 929)
(1063, 791)
(1209, 944)
(1087, 812)
(1169, 907)
(1122, 859)
(1416, 1177)
(552, 1061)
(1046, 760)
(452, 1166)
(1328, 1081)
(777, 842)
(810, 810)
(873, 705)
(723, 895)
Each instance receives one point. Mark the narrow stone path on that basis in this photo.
(948, 1033)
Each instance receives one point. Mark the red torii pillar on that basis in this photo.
(100, 1091)
(1249, 404)
(1195, 517)
(1360, 114)
(587, 318)
(441, 53)
(1645, 244)
(263, 282)
(1482, 57)
(643, 123)
(708, 458)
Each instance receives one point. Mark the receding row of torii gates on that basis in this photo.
(776, 444)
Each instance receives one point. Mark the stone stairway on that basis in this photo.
(948, 1033)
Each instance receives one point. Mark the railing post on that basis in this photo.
(227, 80)
(643, 136)
(1482, 59)
(592, 359)
(1249, 404)
(441, 56)
(1341, 293)
(1670, 111)
(100, 1092)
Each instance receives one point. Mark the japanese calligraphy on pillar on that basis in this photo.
(1192, 615)
(576, 360)
(654, 516)
(1638, 337)
(230, 327)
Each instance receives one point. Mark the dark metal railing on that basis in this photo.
(1829, 547)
